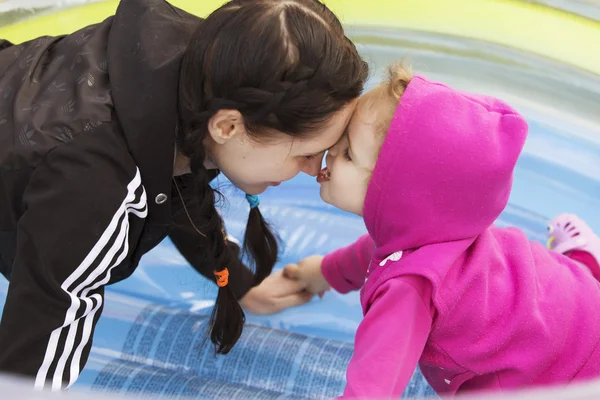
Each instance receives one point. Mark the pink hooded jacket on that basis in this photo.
(476, 306)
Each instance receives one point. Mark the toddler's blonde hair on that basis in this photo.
(399, 75)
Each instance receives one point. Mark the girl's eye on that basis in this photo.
(310, 157)
(347, 154)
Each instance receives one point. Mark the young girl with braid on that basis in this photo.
(110, 137)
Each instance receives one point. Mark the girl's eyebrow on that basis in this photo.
(345, 133)
(314, 154)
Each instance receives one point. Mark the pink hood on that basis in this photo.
(448, 158)
(479, 307)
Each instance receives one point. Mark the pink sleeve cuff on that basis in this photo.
(345, 269)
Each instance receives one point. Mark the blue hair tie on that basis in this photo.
(253, 200)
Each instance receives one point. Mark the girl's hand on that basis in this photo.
(308, 273)
(276, 293)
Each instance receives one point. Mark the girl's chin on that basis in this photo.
(254, 189)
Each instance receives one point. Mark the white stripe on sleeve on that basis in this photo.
(116, 251)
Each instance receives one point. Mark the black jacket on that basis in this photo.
(87, 133)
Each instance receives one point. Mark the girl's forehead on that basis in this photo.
(328, 135)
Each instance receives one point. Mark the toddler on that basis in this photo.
(430, 169)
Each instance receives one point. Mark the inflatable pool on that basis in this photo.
(151, 338)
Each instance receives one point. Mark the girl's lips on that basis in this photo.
(323, 175)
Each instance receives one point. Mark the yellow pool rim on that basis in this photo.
(531, 27)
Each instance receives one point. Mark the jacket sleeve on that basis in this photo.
(389, 342)
(185, 238)
(345, 269)
(83, 205)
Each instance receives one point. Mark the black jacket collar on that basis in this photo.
(145, 47)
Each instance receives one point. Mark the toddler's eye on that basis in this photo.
(347, 154)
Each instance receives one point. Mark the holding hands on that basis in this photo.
(308, 272)
(292, 286)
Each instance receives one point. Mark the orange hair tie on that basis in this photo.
(222, 277)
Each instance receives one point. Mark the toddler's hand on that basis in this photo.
(308, 271)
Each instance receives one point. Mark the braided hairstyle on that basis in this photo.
(285, 65)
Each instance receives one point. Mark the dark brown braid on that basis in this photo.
(286, 66)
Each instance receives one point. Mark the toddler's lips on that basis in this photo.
(323, 175)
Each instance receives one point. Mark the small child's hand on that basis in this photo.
(308, 271)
